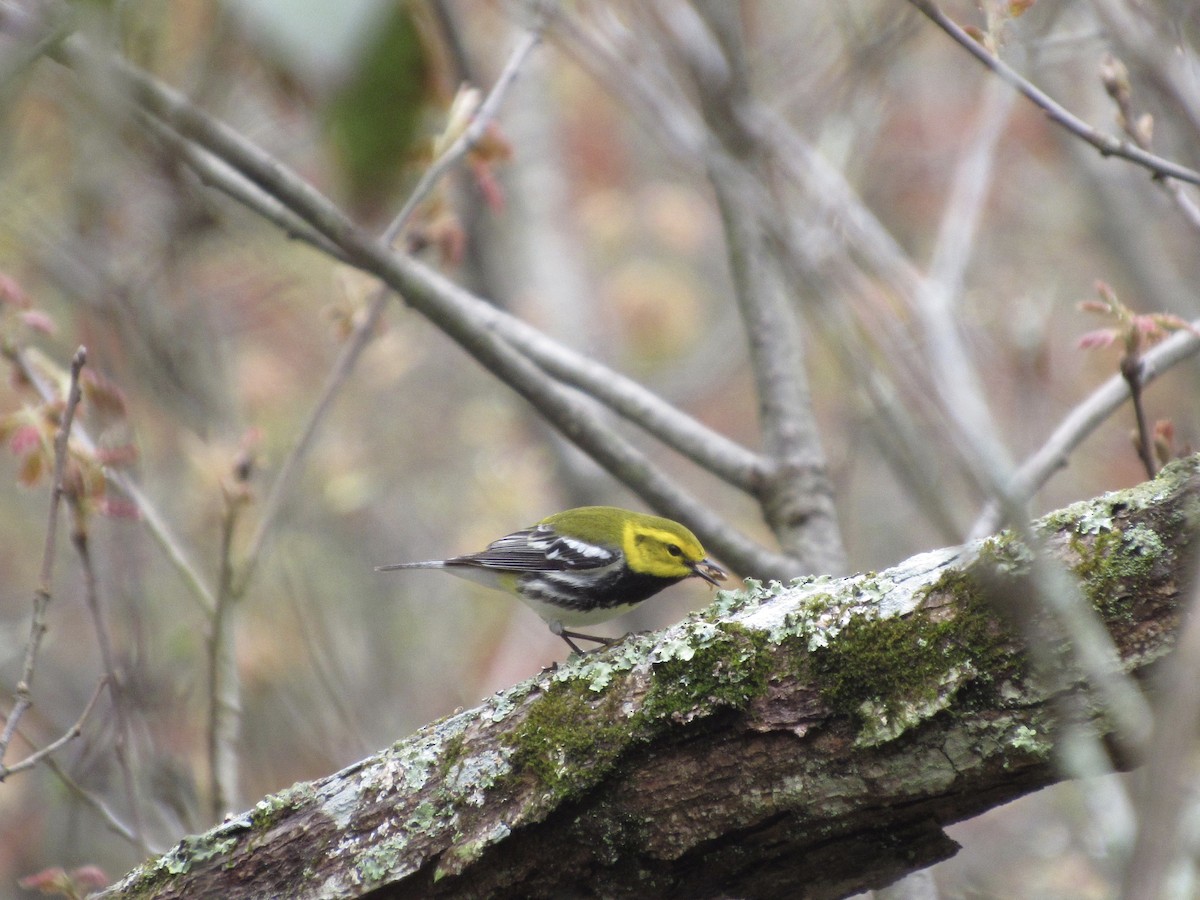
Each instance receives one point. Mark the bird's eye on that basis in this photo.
(674, 550)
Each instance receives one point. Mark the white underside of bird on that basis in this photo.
(551, 584)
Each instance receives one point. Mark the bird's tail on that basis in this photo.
(428, 564)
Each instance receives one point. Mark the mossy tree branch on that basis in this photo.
(819, 735)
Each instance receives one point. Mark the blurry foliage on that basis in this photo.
(375, 119)
(208, 329)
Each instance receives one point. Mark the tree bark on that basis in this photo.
(810, 740)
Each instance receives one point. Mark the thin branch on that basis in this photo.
(215, 173)
(980, 450)
(147, 512)
(1159, 47)
(35, 36)
(471, 134)
(149, 515)
(959, 387)
(88, 798)
(1115, 78)
(1131, 371)
(368, 324)
(116, 684)
(97, 805)
(114, 73)
(1084, 419)
(290, 468)
(224, 683)
(53, 747)
(705, 447)
(1056, 112)
(41, 596)
(643, 84)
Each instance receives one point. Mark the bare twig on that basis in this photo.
(148, 513)
(97, 805)
(115, 74)
(41, 596)
(292, 463)
(1131, 371)
(224, 683)
(708, 449)
(956, 379)
(162, 534)
(1158, 44)
(471, 134)
(87, 797)
(1115, 78)
(1085, 418)
(1056, 112)
(216, 174)
(69, 735)
(646, 86)
(37, 37)
(123, 746)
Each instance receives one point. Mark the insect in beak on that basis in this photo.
(709, 571)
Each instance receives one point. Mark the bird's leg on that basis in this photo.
(567, 635)
(570, 643)
(557, 628)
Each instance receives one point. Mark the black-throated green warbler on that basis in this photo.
(584, 565)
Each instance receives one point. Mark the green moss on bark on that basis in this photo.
(570, 738)
(888, 673)
(727, 670)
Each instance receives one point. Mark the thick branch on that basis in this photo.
(796, 496)
(820, 735)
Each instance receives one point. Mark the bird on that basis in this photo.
(584, 565)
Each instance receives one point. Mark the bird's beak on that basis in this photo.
(709, 571)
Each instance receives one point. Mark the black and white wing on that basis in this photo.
(539, 548)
